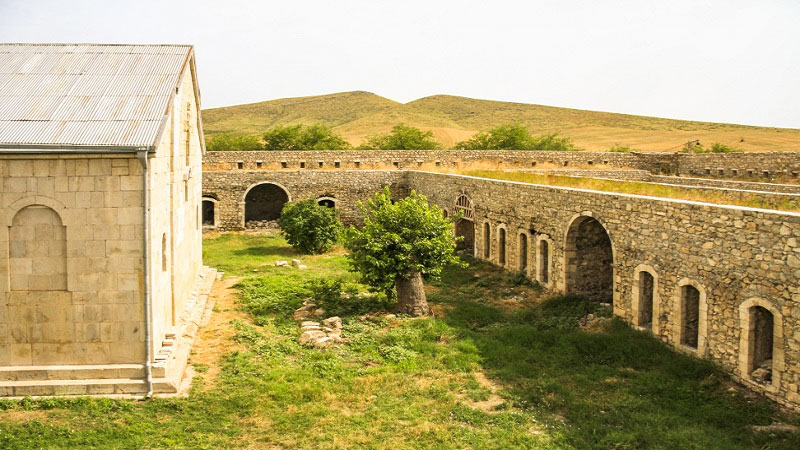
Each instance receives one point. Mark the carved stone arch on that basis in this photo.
(746, 342)
(640, 291)
(210, 211)
(576, 279)
(486, 240)
(12, 210)
(464, 205)
(501, 254)
(328, 200)
(524, 250)
(544, 260)
(682, 317)
(262, 208)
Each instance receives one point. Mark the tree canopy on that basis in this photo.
(402, 137)
(309, 227)
(300, 137)
(227, 141)
(400, 244)
(515, 137)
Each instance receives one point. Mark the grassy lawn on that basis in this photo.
(642, 188)
(501, 365)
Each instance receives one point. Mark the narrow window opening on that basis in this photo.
(487, 241)
(337, 164)
(501, 247)
(302, 164)
(164, 252)
(544, 252)
(259, 164)
(523, 252)
(284, 165)
(761, 344)
(645, 299)
(690, 320)
(240, 165)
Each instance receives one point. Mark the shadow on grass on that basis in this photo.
(266, 250)
(617, 388)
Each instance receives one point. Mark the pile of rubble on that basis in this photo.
(763, 373)
(326, 334)
(261, 225)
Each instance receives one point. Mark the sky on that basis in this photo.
(720, 61)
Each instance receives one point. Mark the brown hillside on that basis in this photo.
(356, 115)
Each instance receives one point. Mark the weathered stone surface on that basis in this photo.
(311, 336)
(333, 322)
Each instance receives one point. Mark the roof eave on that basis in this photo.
(66, 148)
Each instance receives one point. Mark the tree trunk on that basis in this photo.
(411, 295)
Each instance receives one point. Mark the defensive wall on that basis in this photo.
(713, 281)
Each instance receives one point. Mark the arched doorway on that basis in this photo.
(209, 212)
(589, 260)
(264, 202)
(466, 229)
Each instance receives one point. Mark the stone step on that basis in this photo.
(71, 372)
(118, 386)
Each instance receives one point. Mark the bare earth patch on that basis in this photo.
(215, 339)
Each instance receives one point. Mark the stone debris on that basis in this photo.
(320, 336)
(261, 225)
(281, 263)
(763, 373)
(295, 263)
(590, 322)
(302, 267)
(777, 426)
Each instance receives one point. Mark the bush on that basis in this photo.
(722, 148)
(402, 137)
(229, 142)
(622, 149)
(299, 137)
(309, 227)
(515, 137)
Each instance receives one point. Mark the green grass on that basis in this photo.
(419, 383)
(765, 201)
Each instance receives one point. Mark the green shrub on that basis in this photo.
(515, 137)
(722, 148)
(231, 142)
(299, 137)
(622, 149)
(402, 137)
(309, 227)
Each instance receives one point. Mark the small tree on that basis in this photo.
(514, 137)
(402, 137)
(309, 227)
(399, 245)
(227, 141)
(299, 137)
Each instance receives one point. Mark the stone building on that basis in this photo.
(101, 273)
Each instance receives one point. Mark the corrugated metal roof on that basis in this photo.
(85, 95)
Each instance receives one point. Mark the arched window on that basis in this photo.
(487, 240)
(645, 291)
(37, 250)
(761, 353)
(328, 202)
(589, 259)
(544, 262)
(501, 246)
(690, 316)
(465, 207)
(523, 252)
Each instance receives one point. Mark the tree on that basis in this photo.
(227, 141)
(299, 137)
(399, 245)
(514, 137)
(309, 227)
(402, 137)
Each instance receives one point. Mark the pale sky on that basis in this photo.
(721, 61)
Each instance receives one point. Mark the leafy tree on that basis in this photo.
(402, 137)
(227, 141)
(696, 147)
(309, 227)
(514, 137)
(299, 137)
(399, 245)
(722, 148)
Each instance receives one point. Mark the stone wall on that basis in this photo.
(72, 230)
(344, 187)
(730, 254)
(762, 166)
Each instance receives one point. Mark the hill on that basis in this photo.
(356, 115)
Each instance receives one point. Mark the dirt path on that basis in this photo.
(214, 339)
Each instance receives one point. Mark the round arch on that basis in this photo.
(263, 201)
(589, 257)
(690, 324)
(747, 342)
(327, 201)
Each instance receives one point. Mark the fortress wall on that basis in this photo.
(729, 261)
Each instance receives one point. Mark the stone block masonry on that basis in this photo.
(698, 271)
